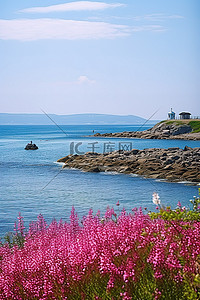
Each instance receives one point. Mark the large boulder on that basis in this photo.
(181, 130)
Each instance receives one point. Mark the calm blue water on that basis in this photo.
(24, 175)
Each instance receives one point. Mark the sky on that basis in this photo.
(132, 57)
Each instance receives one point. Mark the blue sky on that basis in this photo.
(118, 57)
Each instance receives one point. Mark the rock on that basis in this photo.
(134, 151)
(187, 148)
(142, 160)
(63, 159)
(127, 170)
(169, 161)
(172, 164)
(94, 170)
(175, 157)
(164, 130)
(156, 176)
(182, 129)
(168, 167)
(173, 148)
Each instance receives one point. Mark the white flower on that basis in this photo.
(156, 198)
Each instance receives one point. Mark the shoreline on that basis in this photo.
(174, 130)
(172, 164)
(144, 135)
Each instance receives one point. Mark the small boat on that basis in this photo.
(31, 146)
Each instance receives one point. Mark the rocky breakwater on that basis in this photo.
(172, 164)
(179, 129)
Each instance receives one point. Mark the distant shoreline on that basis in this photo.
(72, 119)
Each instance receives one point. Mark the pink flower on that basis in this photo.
(134, 209)
(179, 204)
(61, 258)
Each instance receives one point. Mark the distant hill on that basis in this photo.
(75, 119)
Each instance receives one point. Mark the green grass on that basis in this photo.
(195, 126)
(162, 122)
(174, 122)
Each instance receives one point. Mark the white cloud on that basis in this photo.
(155, 28)
(81, 80)
(84, 79)
(40, 29)
(72, 6)
(157, 17)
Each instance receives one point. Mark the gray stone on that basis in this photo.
(187, 148)
(182, 129)
(175, 157)
(134, 151)
(169, 161)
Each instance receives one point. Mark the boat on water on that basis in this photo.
(31, 146)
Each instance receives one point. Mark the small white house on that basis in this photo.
(171, 115)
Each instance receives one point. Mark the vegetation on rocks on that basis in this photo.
(195, 125)
(167, 129)
(126, 256)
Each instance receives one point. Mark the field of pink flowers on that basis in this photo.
(129, 256)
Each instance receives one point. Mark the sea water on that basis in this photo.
(31, 182)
